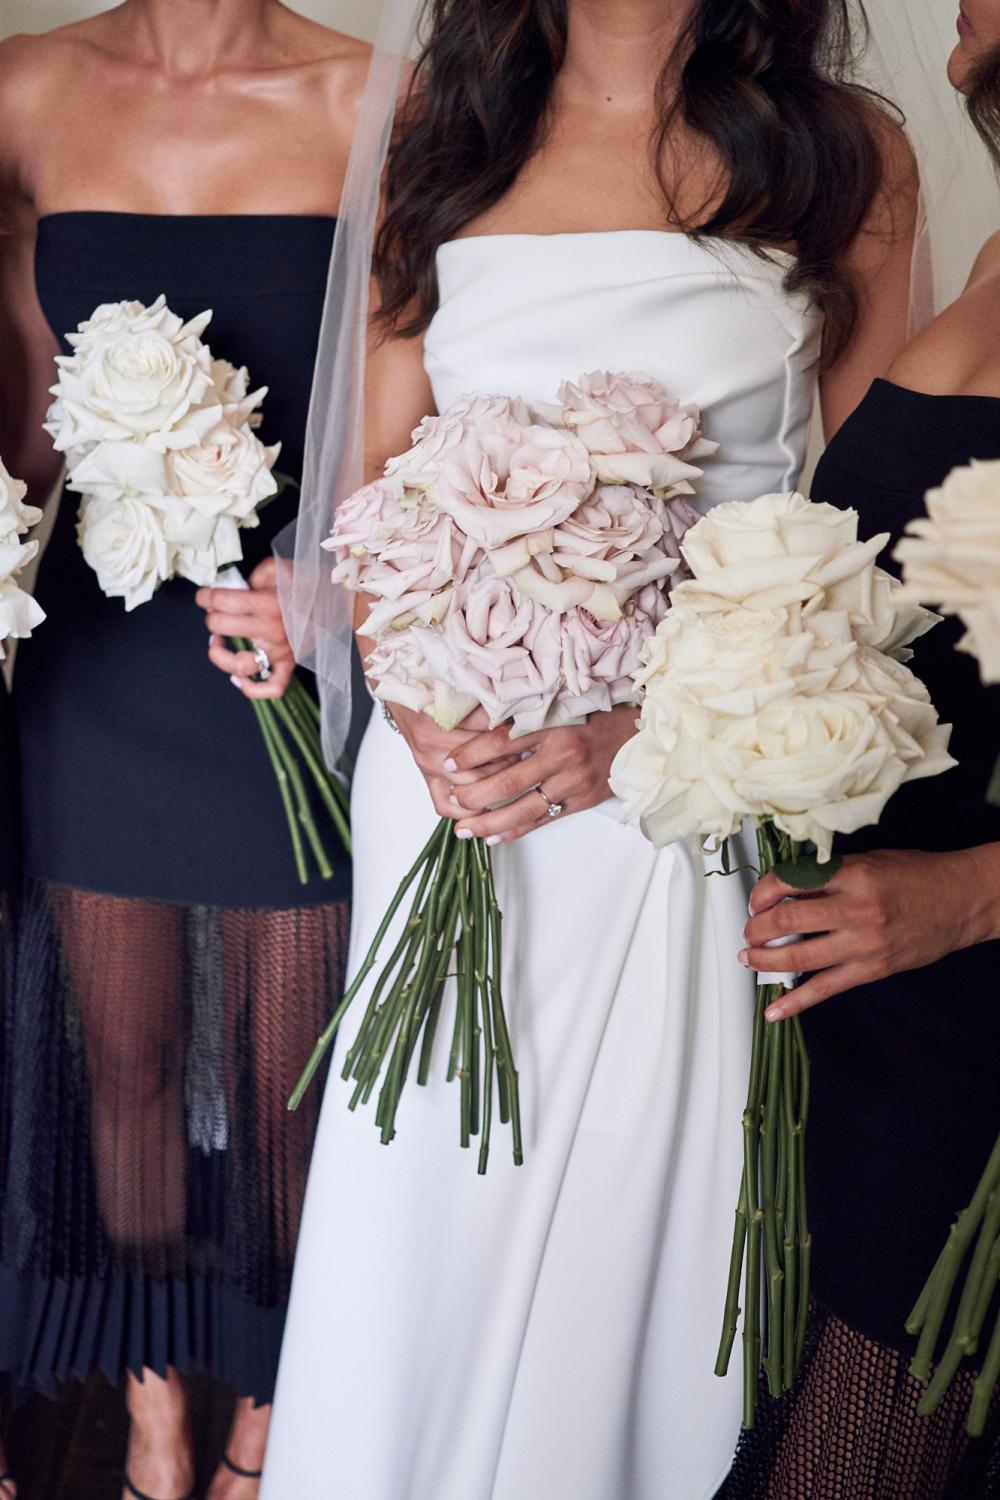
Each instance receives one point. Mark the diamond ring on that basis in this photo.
(555, 808)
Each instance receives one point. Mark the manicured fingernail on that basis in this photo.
(774, 1013)
(451, 765)
(744, 958)
(493, 840)
(454, 800)
(463, 833)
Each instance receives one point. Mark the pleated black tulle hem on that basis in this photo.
(68, 1330)
(850, 1430)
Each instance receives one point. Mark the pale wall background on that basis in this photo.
(358, 17)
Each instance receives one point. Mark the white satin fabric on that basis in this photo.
(550, 1331)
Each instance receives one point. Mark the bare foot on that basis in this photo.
(245, 1450)
(160, 1460)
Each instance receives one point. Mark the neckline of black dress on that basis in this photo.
(116, 213)
(892, 387)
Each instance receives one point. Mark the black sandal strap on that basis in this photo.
(138, 1494)
(241, 1473)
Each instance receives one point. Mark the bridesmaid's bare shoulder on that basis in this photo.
(332, 63)
(958, 354)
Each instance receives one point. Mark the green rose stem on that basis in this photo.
(453, 930)
(290, 727)
(281, 775)
(771, 1245)
(977, 1228)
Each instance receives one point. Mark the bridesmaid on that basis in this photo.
(173, 972)
(901, 1013)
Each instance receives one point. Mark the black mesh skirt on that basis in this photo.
(152, 1176)
(850, 1431)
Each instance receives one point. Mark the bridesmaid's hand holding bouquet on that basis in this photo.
(776, 691)
(160, 444)
(951, 558)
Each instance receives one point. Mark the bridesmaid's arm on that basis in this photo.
(881, 263)
(27, 345)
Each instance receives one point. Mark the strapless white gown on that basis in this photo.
(549, 1332)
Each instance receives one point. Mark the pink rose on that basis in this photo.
(436, 436)
(507, 483)
(601, 658)
(397, 546)
(501, 650)
(614, 544)
(635, 431)
(398, 672)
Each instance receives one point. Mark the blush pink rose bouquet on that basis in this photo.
(517, 559)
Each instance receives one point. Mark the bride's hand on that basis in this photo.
(256, 614)
(571, 766)
(432, 748)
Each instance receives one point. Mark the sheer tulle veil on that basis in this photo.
(911, 44)
(906, 60)
(317, 615)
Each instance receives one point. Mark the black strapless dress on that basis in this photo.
(905, 1073)
(172, 973)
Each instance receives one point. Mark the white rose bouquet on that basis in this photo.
(775, 690)
(951, 559)
(518, 560)
(160, 445)
(19, 614)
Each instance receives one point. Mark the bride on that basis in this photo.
(688, 189)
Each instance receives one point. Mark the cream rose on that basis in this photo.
(124, 541)
(747, 714)
(19, 614)
(951, 558)
(137, 373)
(785, 550)
(229, 473)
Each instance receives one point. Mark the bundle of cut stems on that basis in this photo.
(771, 1242)
(974, 1242)
(452, 931)
(290, 727)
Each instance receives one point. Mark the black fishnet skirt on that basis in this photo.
(151, 1176)
(850, 1431)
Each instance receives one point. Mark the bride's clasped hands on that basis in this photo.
(499, 789)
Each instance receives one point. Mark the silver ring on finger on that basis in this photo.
(554, 808)
(265, 670)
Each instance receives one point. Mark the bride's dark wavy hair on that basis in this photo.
(765, 83)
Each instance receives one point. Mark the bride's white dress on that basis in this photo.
(549, 1332)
